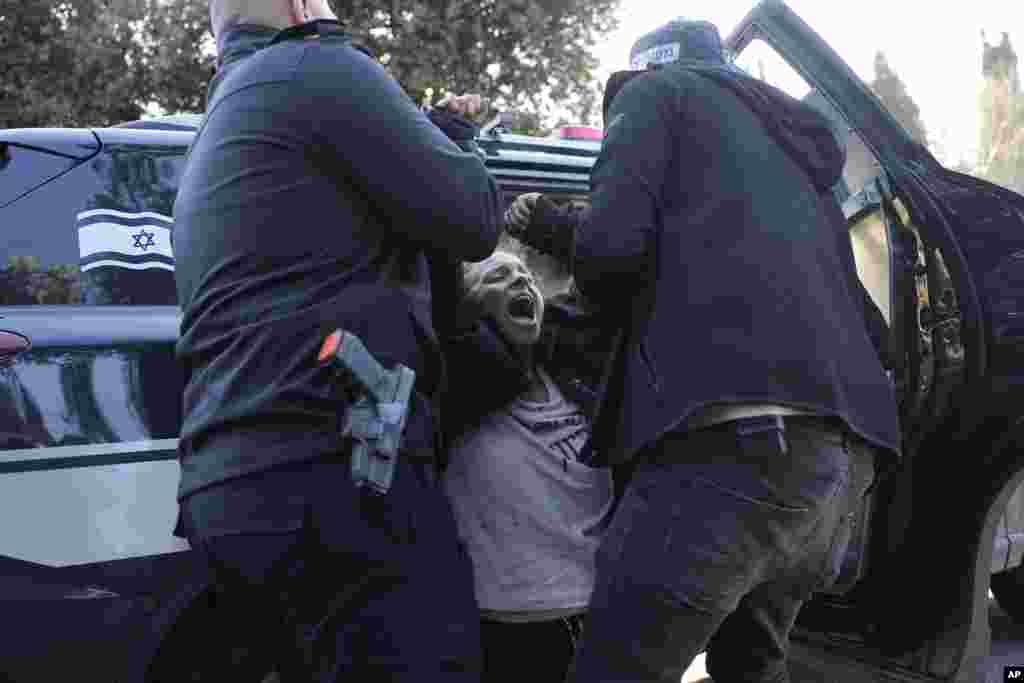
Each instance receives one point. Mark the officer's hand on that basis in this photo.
(535, 220)
(520, 213)
(319, 9)
(464, 105)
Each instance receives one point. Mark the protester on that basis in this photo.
(311, 195)
(529, 512)
(746, 389)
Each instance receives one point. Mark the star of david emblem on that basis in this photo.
(143, 235)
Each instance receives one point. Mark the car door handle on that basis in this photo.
(12, 344)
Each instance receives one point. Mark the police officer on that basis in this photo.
(747, 392)
(311, 194)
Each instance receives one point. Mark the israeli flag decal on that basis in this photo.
(659, 54)
(137, 241)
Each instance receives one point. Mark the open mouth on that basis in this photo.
(522, 308)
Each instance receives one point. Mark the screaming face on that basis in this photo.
(507, 293)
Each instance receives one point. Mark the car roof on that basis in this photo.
(171, 122)
(521, 163)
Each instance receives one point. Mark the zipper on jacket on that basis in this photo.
(645, 356)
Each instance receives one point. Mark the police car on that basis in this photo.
(94, 586)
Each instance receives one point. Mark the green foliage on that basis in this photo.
(517, 53)
(514, 52)
(101, 62)
(70, 63)
(23, 265)
(893, 93)
(179, 51)
(25, 283)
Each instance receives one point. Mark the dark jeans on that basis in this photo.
(721, 537)
(366, 588)
(534, 652)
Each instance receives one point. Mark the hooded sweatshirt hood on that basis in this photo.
(808, 137)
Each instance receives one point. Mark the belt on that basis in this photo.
(715, 415)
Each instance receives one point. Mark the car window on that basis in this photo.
(98, 235)
(761, 60)
(23, 168)
(38, 252)
(124, 232)
(867, 229)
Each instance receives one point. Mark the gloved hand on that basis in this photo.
(538, 222)
(453, 115)
(519, 214)
(457, 127)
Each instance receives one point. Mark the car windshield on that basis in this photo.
(949, 73)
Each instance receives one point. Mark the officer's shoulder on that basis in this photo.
(328, 51)
(680, 77)
(662, 82)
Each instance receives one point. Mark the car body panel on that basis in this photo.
(90, 413)
(953, 282)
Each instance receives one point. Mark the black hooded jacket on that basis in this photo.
(313, 193)
(713, 233)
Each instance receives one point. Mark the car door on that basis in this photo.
(940, 255)
(90, 405)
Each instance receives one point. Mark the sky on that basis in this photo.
(935, 48)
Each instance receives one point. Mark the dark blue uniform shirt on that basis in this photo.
(311, 194)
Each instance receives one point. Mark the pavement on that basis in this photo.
(1007, 650)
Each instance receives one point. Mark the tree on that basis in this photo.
(179, 53)
(890, 90)
(521, 54)
(100, 62)
(1001, 149)
(70, 63)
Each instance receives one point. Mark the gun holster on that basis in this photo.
(373, 411)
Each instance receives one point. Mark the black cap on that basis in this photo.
(679, 39)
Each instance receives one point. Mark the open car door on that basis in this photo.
(942, 256)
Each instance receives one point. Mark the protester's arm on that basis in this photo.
(617, 230)
(577, 338)
(435, 194)
(538, 222)
(483, 375)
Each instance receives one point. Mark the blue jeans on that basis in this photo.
(721, 537)
(338, 584)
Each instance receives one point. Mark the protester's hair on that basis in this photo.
(471, 270)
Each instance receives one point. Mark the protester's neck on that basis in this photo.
(537, 390)
(525, 354)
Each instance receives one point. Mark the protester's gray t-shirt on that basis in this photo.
(529, 512)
